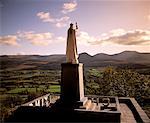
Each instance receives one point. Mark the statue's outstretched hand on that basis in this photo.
(76, 26)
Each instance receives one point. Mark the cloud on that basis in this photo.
(39, 39)
(117, 32)
(36, 39)
(117, 36)
(59, 22)
(9, 40)
(60, 39)
(122, 37)
(45, 17)
(69, 7)
(62, 22)
(84, 38)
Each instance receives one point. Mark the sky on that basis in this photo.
(40, 27)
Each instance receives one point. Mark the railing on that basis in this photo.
(99, 99)
(45, 100)
(49, 99)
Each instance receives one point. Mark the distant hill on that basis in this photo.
(126, 58)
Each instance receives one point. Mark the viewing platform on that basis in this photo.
(35, 110)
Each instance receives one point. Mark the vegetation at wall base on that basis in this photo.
(20, 86)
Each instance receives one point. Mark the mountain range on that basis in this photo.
(127, 58)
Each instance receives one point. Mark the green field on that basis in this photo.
(18, 87)
(51, 88)
(54, 89)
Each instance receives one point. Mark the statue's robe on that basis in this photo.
(71, 51)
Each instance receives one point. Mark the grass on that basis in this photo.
(54, 88)
(19, 90)
(2, 97)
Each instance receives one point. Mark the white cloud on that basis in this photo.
(36, 39)
(39, 39)
(45, 17)
(122, 37)
(60, 39)
(84, 38)
(59, 22)
(62, 22)
(117, 32)
(117, 36)
(69, 7)
(9, 40)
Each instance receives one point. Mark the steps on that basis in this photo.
(92, 107)
(86, 105)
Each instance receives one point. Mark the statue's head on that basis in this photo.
(71, 25)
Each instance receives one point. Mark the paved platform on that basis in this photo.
(91, 111)
(126, 114)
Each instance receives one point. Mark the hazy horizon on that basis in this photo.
(78, 54)
(40, 27)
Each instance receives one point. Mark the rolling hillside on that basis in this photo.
(127, 58)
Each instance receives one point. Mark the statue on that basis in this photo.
(71, 51)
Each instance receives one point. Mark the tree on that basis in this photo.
(118, 82)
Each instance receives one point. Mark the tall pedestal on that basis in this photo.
(72, 87)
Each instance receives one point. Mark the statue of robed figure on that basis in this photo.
(71, 50)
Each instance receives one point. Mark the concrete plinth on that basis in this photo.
(72, 88)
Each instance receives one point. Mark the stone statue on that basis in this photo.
(71, 51)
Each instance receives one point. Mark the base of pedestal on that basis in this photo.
(72, 88)
(88, 110)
